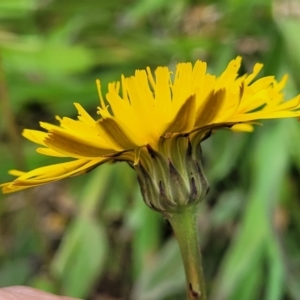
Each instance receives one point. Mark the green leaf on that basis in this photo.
(256, 232)
(146, 225)
(164, 278)
(16, 8)
(40, 57)
(289, 28)
(80, 258)
(15, 272)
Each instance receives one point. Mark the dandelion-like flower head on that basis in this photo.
(146, 113)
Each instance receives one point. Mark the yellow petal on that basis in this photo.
(229, 75)
(256, 69)
(242, 127)
(73, 146)
(35, 136)
(50, 173)
(120, 134)
(50, 152)
(185, 118)
(210, 108)
(83, 115)
(16, 173)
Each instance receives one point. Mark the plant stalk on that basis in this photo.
(184, 224)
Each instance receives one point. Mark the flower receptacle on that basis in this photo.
(172, 177)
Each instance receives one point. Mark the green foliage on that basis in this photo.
(92, 236)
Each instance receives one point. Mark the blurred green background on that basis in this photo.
(92, 236)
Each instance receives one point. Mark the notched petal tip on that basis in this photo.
(83, 115)
(35, 136)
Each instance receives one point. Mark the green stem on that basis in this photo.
(184, 224)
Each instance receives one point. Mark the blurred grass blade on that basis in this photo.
(81, 257)
(165, 278)
(254, 236)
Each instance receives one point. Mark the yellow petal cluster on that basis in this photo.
(143, 109)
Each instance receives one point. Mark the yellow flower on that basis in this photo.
(147, 114)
